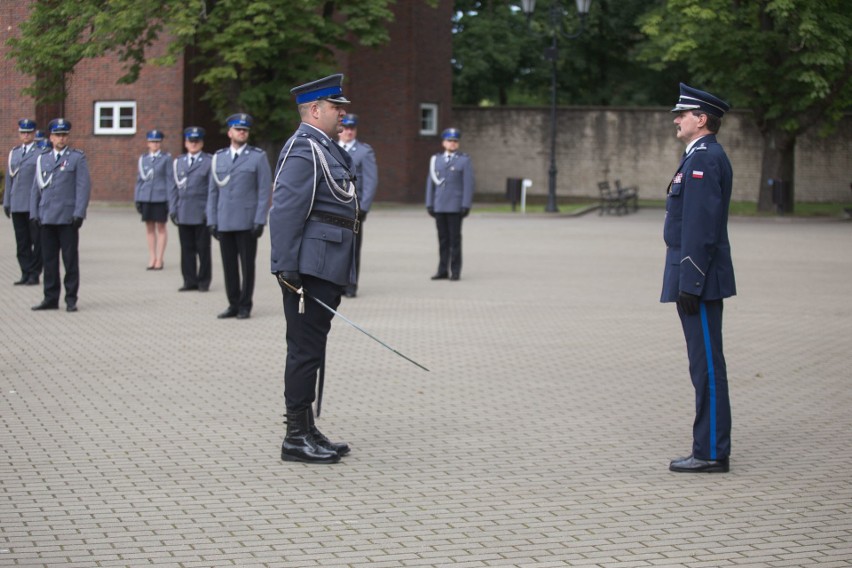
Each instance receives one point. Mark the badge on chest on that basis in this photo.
(678, 178)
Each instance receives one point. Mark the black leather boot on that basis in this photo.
(340, 448)
(300, 445)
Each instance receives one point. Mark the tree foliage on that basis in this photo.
(249, 53)
(499, 57)
(790, 61)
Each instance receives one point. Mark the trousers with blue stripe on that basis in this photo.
(711, 432)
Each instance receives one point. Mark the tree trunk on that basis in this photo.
(776, 172)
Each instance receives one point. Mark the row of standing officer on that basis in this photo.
(47, 194)
(226, 195)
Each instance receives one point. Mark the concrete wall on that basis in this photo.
(637, 146)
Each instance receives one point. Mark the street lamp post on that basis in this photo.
(552, 54)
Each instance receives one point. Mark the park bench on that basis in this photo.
(610, 200)
(629, 195)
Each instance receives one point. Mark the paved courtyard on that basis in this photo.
(143, 431)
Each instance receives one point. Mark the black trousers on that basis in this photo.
(64, 239)
(353, 288)
(195, 263)
(711, 431)
(28, 240)
(306, 340)
(449, 243)
(239, 250)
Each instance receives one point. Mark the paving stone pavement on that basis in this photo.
(143, 431)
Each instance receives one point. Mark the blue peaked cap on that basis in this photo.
(350, 120)
(451, 134)
(329, 88)
(693, 99)
(194, 133)
(59, 126)
(26, 125)
(240, 120)
(155, 136)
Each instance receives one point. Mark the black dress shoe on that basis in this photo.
(45, 305)
(32, 281)
(229, 313)
(439, 276)
(71, 308)
(455, 277)
(186, 288)
(694, 465)
(20, 282)
(204, 287)
(243, 315)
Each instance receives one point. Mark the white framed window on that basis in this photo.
(115, 117)
(428, 119)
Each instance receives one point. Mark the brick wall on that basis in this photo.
(159, 104)
(387, 85)
(13, 106)
(637, 146)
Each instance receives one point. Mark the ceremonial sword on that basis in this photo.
(303, 293)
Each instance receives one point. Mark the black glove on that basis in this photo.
(688, 303)
(77, 222)
(257, 231)
(291, 278)
(173, 217)
(430, 211)
(8, 212)
(213, 232)
(139, 207)
(35, 222)
(465, 211)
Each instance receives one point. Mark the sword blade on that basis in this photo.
(347, 320)
(320, 384)
(364, 331)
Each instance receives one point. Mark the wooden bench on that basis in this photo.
(610, 201)
(628, 194)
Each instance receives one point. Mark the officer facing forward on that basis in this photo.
(237, 207)
(312, 224)
(187, 204)
(20, 174)
(699, 272)
(58, 203)
(151, 194)
(449, 195)
(366, 180)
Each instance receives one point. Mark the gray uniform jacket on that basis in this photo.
(449, 187)
(300, 244)
(242, 201)
(366, 173)
(189, 188)
(19, 178)
(154, 188)
(61, 188)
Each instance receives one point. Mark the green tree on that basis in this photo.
(249, 53)
(499, 57)
(786, 60)
(491, 50)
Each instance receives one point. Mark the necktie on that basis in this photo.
(191, 161)
(236, 155)
(58, 155)
(24, 153)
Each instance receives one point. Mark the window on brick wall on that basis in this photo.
(428, 119)
(115, 117)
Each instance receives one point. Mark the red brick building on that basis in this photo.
(402, 93)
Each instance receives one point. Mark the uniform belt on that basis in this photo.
(352, 224)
